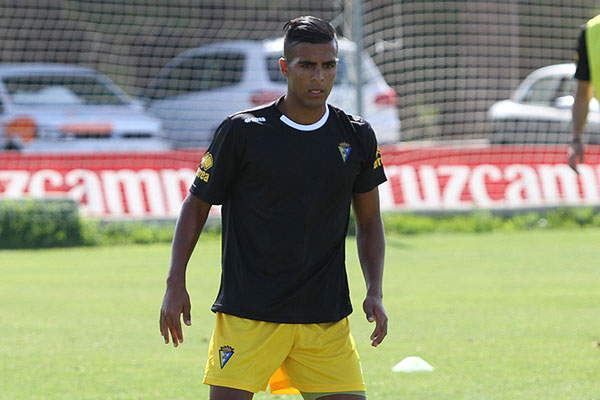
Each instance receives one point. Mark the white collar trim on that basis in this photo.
(311, 127)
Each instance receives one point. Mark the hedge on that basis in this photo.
(45, 223)
(39, 223)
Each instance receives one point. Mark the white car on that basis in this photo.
(539, 110)
(197, 89)
(67, 108)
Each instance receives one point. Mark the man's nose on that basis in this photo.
(318, 74)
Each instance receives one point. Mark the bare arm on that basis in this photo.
(583, 95)
(176, 301)
(370, 240)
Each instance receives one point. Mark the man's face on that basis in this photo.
(310, 72)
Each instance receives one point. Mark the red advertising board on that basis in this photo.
(115, 185)
(490, 177)
(153, 185)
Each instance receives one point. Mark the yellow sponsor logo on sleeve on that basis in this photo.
(202, 175)
(205, 165)
(207, 161)
(377, 162)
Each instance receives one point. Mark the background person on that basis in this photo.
(588, 82)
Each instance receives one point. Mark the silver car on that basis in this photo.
(539, 110)
(197, 89)
(55, 107)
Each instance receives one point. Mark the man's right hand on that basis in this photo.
(575, 151)
(175, 303)
(192, 218)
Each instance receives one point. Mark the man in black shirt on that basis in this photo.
(286, 175)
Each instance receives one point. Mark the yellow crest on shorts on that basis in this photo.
(225, 353)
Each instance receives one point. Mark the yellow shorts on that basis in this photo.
(246, 354)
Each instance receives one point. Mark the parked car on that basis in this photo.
(197, 89)
(539, 110)
(55, 107)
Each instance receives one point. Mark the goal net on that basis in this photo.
(439, 84)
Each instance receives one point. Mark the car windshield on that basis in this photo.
(546, 90)
(60, 90)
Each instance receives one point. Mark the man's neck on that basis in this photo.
(299, 114)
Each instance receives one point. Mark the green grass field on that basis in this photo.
(499, 316)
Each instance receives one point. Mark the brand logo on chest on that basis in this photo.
(255, 119)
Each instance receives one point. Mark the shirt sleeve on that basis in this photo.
(582, 72)
(372, 174)
(217, 167)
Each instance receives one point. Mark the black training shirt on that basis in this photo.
(286, 195)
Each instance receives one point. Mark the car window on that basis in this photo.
(342, 77)
(544, 91)
(566, 87)
(275, 74)
(59, 90)
(200, 73)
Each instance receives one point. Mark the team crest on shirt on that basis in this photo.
(225, 353)
(344, 149)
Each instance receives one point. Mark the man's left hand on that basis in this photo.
(373, 307)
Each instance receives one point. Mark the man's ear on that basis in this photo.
(283, 66)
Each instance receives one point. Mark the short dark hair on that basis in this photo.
(307, 29)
